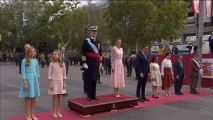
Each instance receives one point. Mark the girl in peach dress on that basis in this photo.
(57, 82)
(117, 76)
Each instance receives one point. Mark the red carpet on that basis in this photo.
(71, 115)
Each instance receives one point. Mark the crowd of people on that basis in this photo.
(92, 61)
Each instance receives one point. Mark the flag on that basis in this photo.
(195, 6)
(208, 8)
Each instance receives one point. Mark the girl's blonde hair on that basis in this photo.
(59, 60)
(28, 59)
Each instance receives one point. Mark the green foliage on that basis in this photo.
(42, 24)
(144, 21)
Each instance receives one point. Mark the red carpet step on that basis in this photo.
(104, 103)
(72, 115)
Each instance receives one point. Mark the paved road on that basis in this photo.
(11, 105)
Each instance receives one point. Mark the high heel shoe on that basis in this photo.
(59, 115)
(117, 96)
(27, 118)
(54, 116)
(34, 118)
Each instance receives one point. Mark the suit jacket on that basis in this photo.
(142, 64)
(211, 42)
(178, 69)
(194, 69)
(66, 62)
(20, 58)
(175, 51)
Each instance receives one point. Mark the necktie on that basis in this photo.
(145, 56)
(181, 64)
(62, 56)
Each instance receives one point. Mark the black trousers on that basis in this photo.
(141, 86)
(178, 84)
(129, 70)
(19, 65)
(211, 50)
(108, 69)
(83, 78)
(91, 89)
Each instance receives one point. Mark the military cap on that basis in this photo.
(93, 28)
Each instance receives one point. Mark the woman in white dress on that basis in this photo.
(155, 76)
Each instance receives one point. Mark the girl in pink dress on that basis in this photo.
(117, 76)
(57, 82)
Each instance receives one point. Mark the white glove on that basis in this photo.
(141, 75)
(201, 71)
(85, 66)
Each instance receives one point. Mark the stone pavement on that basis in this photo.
(11, 105)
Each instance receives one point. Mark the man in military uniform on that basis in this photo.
(91, 58)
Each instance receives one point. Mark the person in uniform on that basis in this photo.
(91, 58)
(195, 72)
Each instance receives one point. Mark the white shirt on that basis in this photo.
(192, 50)
(167, 64)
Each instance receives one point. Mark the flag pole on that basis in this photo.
(200, 35)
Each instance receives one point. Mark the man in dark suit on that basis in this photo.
(129, 66)
(175, 50)
(195, 69)
(91, 58)
(65, 59)
(211, 43)
(22, 56)
(179, 75)
(108, 64)
(142, 66)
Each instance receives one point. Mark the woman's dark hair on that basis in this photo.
(154, 59)
(166, 54)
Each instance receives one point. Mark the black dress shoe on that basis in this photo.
(192, 92)
(89, 99)
(181, 93)
(197, 92)
(146, 99)
(140, 100)
(177, 94)
(95, 99)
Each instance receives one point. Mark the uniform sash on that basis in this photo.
(92, 45)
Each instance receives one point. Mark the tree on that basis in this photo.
(145, 21)
(11, 23)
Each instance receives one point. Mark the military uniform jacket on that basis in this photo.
(92, 72)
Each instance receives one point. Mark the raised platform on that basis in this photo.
(105, 103)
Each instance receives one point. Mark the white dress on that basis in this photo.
(155, 74)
